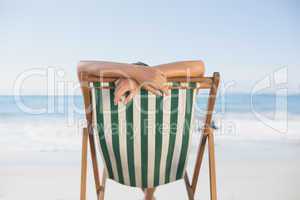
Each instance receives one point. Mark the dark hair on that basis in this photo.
(140, 63)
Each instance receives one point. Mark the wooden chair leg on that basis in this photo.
(102, 190)
(149, 193)
(84, 164)
(212, 167)
(94, 162)
(188, 187)
(198, 162)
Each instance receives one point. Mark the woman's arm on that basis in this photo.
(182, 69)
(108, 69)
(140, 73)
(149, 78)
(133, 76)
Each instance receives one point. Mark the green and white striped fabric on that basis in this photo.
(146, 142)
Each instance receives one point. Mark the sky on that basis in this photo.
(244, 40)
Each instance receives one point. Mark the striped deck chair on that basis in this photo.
(145, 143)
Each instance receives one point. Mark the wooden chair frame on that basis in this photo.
(210, 83)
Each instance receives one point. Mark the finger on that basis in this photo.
(117, 82)
(132, 84)
(153, 87)
(116, 96)
(131, 95)
(152, 90)
(129, 98)
(116, 99)
(159, 87)
(162, 88)
(165, 90)
(119, 92)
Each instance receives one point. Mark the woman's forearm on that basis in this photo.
(109, 69)
(139, 73)
(182, 69)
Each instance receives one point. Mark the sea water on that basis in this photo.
(54, 123)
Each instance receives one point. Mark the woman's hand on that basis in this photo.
(148, 78)
(152, 80)
(125, 87)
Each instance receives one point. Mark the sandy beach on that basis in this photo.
(41, 159)
(241, 57)
(245, 170)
